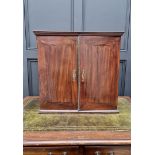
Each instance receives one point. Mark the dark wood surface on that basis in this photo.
(77, 143)
(51, 138)
(78, 72)
(57, 65)
(107, 150)
(67, 150)
(99, 65)
(78, 150)
(53, 33)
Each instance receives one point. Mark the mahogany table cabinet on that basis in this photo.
(78, 71)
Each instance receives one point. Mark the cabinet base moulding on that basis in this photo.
(79, 111)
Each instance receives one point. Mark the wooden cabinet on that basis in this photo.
(78, 150)
(107, 150)
(66, 150)
(78, 71)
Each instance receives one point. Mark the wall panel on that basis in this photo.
(75, 15)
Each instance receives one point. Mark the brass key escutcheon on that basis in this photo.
(74, 75)
(83, 75)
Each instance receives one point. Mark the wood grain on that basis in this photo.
(107, 150)
(99, 65)
(78, 70)
(71, 150)
(57, 61)
(50, 138)
(78, 150)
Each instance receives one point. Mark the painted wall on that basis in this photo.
(75, 15)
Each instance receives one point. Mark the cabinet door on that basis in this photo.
(57, 61)
(99, 72)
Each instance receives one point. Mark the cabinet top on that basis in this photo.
(52, 33)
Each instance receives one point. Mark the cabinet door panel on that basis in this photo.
(99, 70)
(57, 62)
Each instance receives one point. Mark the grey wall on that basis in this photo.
(75, 15)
